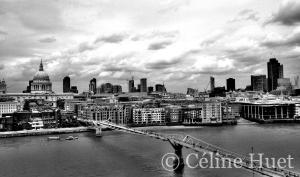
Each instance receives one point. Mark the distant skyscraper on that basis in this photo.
(143, 85)
(160, 88)
(74, 89)
(2, 86)
(150, 89)
(28, 88)
(66, 84)
(116, 88)
(131, 85)
(296, 86)
(106, 88)
(275, 71)
(93, 85)
(212, 84)
(230, 83)
(139, 88)
(259, 82)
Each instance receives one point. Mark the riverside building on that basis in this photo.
(268, 112)
(148, 116)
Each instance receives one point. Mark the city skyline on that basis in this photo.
(112, 44)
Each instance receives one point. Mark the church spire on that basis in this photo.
(41, 66)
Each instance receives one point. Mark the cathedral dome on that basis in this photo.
(41, 75)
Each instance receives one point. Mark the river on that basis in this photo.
(118, 154)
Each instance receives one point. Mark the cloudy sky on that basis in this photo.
(180, 43)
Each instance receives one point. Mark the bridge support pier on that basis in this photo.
(98, 131)
(178, 163)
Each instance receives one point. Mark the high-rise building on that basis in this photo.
(150, 89)
(275, 71)
(131, 86)
(116, 88)
(259, 83)
(74, 89)
(160, 88)
(2, 86)
(106, 88)
(143, 85)
(212, 84)
(93, 86)
(66, 84)
(230, 83)
(139, 88)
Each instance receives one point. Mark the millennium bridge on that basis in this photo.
(197, 145)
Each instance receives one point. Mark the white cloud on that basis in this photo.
(110, 40)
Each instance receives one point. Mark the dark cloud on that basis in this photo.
(287, 14)
(159, 45)
(47, 40)
(115, 38)
(163, 64)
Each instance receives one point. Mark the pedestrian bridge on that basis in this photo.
(198, 145)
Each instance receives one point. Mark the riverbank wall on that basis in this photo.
(39, 132)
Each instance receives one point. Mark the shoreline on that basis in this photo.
(162, 127)
(53, 131)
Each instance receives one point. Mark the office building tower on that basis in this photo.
(74, 89)
(116, 88)
(275, 71)
(212, 84)
(259, 83)
(93, 86)
(160, 88)
(131, 86)
(150, 89)
(2, 86)
(106, 88)
(66, 84)
(143, 85)
(139, 88)
(230, 83)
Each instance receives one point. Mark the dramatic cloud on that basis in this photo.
(288, 13)
(180, 43)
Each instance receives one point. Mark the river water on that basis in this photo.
(118, 154)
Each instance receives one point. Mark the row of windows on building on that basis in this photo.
(211, 113)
